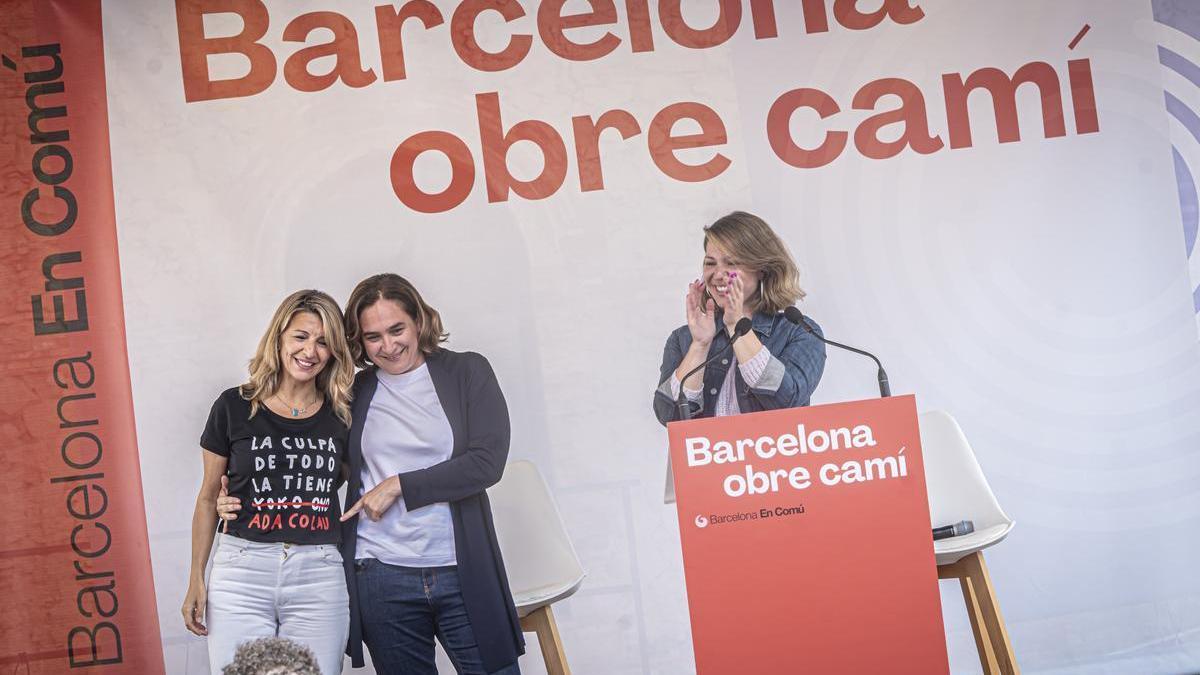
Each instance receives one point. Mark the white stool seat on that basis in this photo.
(539, 558)
(955, 548)
(958, 491)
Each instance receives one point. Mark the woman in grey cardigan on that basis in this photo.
(430, 435)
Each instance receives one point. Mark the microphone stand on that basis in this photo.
(683, 407)
(794, 315)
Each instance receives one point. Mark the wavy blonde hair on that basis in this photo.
(754, 244)
(336, 379)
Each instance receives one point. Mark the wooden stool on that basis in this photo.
(991, 637)
(541, 622)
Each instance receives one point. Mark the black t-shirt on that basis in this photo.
(285, 471)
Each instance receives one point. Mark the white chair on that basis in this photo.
(539, 557)
(958, 491)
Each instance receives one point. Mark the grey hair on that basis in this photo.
(272, 656)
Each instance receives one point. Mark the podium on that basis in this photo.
(806, 541)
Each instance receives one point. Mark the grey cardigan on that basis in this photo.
(474, 405)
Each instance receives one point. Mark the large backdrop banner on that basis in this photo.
(996, 197)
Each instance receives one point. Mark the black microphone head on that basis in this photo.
(742, 327)
(793, 314)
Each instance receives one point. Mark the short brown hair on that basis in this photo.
(754, 244)
(396, 288)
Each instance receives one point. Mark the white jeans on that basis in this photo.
(293, 591)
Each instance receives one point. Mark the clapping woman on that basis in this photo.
(747, 273)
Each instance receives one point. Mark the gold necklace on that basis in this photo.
(296, 412)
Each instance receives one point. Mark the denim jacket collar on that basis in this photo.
(764, 323)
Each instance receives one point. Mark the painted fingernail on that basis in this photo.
(732, 275)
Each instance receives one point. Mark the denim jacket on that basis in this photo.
(795, 367)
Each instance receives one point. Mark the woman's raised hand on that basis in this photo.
(734, 302)
(700, 320)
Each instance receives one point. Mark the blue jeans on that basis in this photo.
(403, 608)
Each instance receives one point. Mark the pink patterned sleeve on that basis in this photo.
(753, 369)
(692, 395)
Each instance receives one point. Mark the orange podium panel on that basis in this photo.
(807, 545)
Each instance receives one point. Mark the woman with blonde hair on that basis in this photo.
(280, 439)
(747, 273)
(430, 435)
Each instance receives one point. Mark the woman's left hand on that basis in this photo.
(377, 501)
(227, 507)
(735, 298)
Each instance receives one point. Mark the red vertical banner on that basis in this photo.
(75, 569)
(807, 546)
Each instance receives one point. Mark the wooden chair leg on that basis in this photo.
(991, 637)
(981, 581)
(541, 622)
(983, 640)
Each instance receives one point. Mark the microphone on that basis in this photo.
(742, 327)
(956, 530)
(794, 315)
